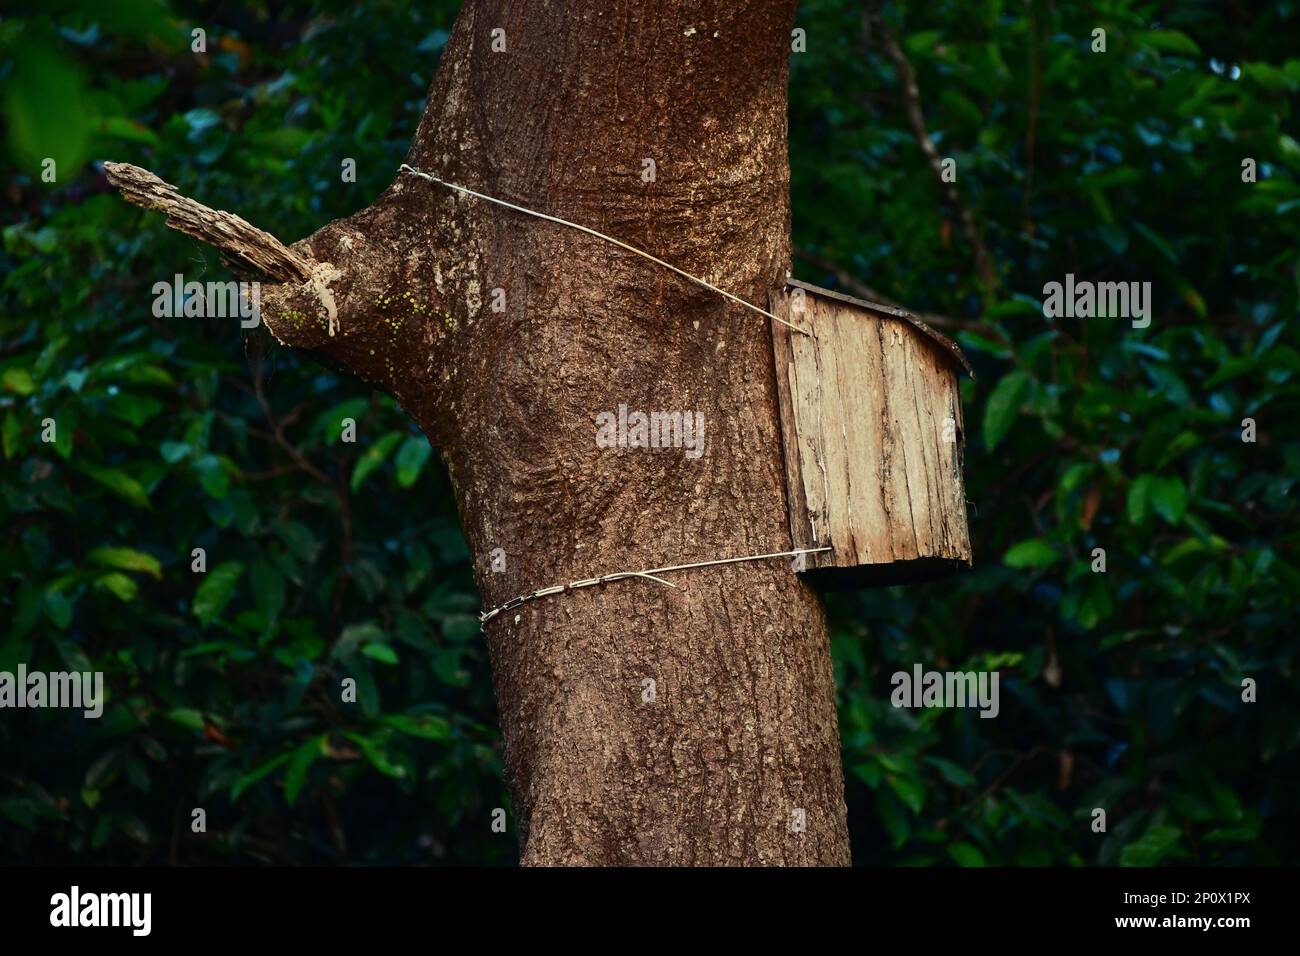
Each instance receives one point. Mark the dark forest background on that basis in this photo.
(1120, 690)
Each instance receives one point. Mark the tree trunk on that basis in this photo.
(736, 743)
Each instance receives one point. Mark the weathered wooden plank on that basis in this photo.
(947, 346)
(873, 464)
(802, 532)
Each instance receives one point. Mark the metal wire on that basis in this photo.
(411, 170)
(649, 573)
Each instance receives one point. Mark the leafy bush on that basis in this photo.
(1122, 690)
(325, 560)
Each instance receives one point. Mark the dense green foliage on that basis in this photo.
(1121, 690)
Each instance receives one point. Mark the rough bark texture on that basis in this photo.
(741, 734)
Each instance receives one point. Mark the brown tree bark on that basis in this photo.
(740, 739)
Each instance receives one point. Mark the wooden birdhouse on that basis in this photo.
(872, 430)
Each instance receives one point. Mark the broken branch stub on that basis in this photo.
(237, 239)
(243, 247)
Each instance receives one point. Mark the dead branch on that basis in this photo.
(244, 245)
(916, 119)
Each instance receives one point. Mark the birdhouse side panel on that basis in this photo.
(872, 435)
(928, 497)
(806, 496)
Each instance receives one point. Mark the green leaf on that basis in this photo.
(427, 726)
(373, 457)
(127, 559)
(966, 855)
(135, 410)
(354, 636)
(910, 791)
(300, 539)
(1139, 498)
(296, 776)
(1226, 802)
(411, 458)
(134, 828)
(1034, 553)
(173, 451)
(74, 658)
(26, 608)
(1192, 547)
(103, 771)
(1162, 245)
(329, 424)
(187, 717)
(1169, 498)
(212, 476)
(1152, 847)
(868, 772)
(46, 110)
(375, 754)
(126, 129)
(13, 435)
(1003, 406)
(1172, 41)
(216, 591)
(1290, 149)
(19, 380)
(380, 652)
(268, 589)
(447, 665)
(119, 584)
(58, 608)
(246, 781)
(116, 481)
(893, 818)
(1231, 835)
(955, 774)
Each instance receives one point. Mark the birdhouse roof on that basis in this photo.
(946, 345)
